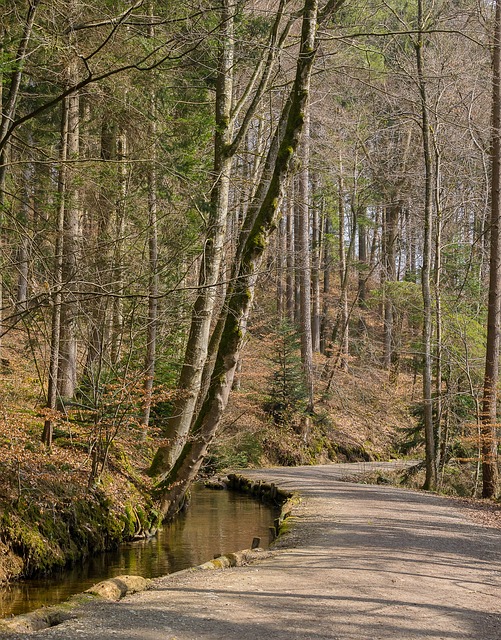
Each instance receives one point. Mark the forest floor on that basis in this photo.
(360, 562)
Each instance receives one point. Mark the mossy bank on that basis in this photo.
(56, 522)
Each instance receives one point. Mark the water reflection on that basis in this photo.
(217, 522)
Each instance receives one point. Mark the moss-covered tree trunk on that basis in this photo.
(252, 244)
(228, 140)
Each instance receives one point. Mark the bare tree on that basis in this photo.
(304, 261)
(490, 474)
(431, 468)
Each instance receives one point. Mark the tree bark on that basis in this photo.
(289, 286)
(490, 472)
(153, 279)
(343, 277)
(226, 146)
(153, 288)
(23, 251)
(67, 370)
(8, 110)
(297, 252)
(281, 248)
(391, 214)
(304, 262)
(101, 269)
(57, 283)
(363, 270)
(438, 307)
(117, 320)
(315, 271)
(196, 350)
(326, 260)
(431, 467)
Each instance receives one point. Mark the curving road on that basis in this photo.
(368, 563)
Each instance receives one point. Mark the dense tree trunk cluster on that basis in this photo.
(162, 167)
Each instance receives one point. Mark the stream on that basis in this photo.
(217, 522)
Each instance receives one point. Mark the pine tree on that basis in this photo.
(288, 393)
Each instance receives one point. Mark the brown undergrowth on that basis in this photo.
(53, 511)
(359, 416)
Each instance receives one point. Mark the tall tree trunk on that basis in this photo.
(196, 350)
(410, 248)
(23, 251)
(281, 249)
(438, 305)
(391, 214)
(290, 288)
(304, 262)
(315, 271)
(326, 260)
(101, 249)
(363, 270)
(57, 284)
(153, 280)
(490, 472)
(431, 467)
(117, 320)
(343, 277)
(297, 251)
(151, 332)
(67, 370)
(8, 109)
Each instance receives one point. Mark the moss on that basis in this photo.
(286, 526)
(259, 240)
(35, 540)
(223, 124)
(285, 154)
(46, 538)
(129, 522)
(157, 464)
(217, 564)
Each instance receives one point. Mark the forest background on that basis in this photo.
(298, 203)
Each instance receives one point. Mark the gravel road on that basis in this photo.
(362, 562)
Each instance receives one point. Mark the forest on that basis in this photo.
(224, 224)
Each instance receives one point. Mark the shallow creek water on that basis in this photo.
(217, 522)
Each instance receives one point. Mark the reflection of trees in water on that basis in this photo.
(215, 522)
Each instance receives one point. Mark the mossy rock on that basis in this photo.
(119, 587)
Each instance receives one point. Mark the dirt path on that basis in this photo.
(368, 562)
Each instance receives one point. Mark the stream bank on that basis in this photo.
(40, 534)
(217, 523)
